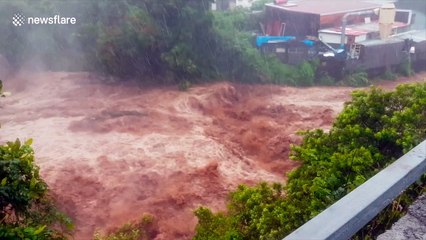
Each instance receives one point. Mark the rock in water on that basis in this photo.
(5, 94)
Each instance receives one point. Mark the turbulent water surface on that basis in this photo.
(112, 152)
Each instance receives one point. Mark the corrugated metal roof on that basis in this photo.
(415, 35)
(348, 32)
(326, 7)
(361, 29)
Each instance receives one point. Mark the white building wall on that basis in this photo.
(244, 3)
(235, 3)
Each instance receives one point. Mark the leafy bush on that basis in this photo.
(259, 5)
(406, 69)
(307, 72)
(281, 73)
(139, 230)
(326, 80)
(374, 129)
(26, 211)
(389, 75)
(184, 85)
(356, 79)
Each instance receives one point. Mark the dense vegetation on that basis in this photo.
(374, 129)
(155, 41)
(26, 210)
(180, 41)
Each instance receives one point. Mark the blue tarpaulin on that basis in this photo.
(260, 40)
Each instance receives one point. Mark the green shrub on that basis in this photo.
(26, 211)
(405, 68)
(259, 5)
(21, 183)
(253, 213)
(389, 75)
(214, 226)
(306, 74)
(138, 230)
(326, 80)
(356, 79)
(184, 85)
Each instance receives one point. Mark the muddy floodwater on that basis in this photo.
(111, 152)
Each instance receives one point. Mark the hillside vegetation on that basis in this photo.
(154, 41)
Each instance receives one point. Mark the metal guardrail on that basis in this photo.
(348, 215)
